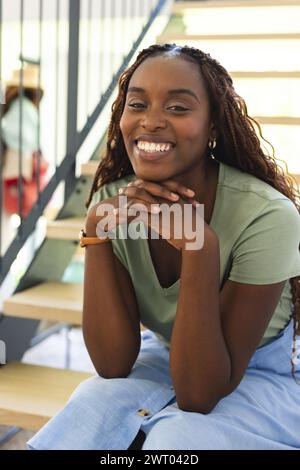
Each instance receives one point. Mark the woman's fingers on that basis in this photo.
(147, 190)
(167, 188)
(138, 193)
(135, 209)
(135, 206)
(158, 195)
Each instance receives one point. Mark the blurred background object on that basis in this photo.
(23, 95)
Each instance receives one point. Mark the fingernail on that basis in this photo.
(174, 196)
(155, 209)
(190, 192)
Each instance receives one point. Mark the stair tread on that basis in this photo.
(66, 229)
(69, 221)
(30, 395)
(265, 74)
(184, 5)
(279, 120)
(221, 37)
(296, 176)
(52, 301)
(89, 168)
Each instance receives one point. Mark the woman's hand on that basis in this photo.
(98, 216)
(153, 201)
(108, 214)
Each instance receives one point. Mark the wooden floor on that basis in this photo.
(18, 442)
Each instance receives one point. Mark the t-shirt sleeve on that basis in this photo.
(105, 192)
(268, 249)
(99, 196)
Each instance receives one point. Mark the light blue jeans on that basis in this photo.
(106, 414)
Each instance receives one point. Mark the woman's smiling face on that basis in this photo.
(166, 120)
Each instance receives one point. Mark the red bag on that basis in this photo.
(11, 192)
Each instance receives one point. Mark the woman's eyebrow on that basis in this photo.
(175, 91)
(186, 91)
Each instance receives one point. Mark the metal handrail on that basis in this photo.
(65, 170)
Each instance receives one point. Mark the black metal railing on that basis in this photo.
(79, 48)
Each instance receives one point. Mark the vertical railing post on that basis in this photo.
(1, 146)
(21, 94)
(38, 178)
(73, 63)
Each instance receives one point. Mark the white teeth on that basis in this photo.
(153, 147)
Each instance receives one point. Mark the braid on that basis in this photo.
(238, 136)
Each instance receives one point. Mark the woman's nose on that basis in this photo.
(153, 120)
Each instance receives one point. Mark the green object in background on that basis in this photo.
(74, 272)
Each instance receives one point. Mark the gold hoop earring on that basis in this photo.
(212, 145)
(113, 144)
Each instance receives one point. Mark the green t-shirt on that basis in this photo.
(259, 234)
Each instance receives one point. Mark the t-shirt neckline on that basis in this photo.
(175, 286)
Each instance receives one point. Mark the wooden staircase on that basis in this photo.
(51, 301)
(31, 395)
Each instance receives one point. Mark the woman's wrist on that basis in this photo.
(91, 226)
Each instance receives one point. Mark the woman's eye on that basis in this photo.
(136, 105)
(178, 109)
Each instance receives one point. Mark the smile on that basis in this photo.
(152, 147)
(153, 150)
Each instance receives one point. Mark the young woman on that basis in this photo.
(217, 366)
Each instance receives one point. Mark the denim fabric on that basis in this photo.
(106, 414)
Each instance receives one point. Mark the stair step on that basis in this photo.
(89, 168)
(181, 6)
(278, 120)
(65, 229)
(297, 177)
(226, 37)
(52, 301)
(265, 74)
(30, 395)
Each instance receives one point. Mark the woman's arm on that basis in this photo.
(111, 325)
(215, 335)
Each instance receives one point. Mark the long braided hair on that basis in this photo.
(238, 144)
